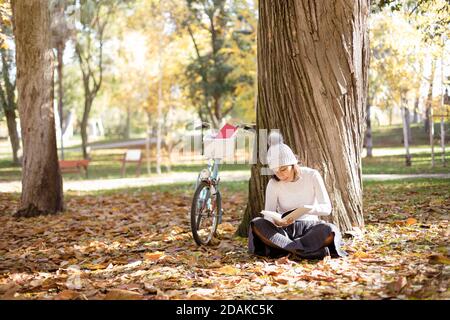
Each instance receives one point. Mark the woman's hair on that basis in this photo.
(296, 171)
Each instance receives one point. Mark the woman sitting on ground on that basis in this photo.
(291, 187)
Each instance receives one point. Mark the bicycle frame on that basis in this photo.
(213, 181)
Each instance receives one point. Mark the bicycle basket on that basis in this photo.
(222, 145)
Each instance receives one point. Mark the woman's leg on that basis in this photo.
(315, 236)
(329, 240)
(262, 237)
(269, 234)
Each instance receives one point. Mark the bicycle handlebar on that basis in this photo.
(247, 127)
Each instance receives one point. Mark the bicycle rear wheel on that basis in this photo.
(205, 212)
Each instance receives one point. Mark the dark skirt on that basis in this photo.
(303, 238)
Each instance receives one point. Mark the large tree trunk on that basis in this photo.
(312, 85)
(13, 134)
(41, 178)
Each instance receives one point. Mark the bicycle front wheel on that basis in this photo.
(205, 212)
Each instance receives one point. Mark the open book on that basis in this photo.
(284, 217)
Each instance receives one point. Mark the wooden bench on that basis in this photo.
(74, 166)
(132, 156)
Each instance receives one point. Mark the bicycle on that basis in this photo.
(206, 208)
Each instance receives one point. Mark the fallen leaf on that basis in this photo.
(154, 256)
(150, 288)
(118, 294)
(439, 259)
(67, 295)
(92, 266)
(397, 285)
(229, 270)
(361, 254)
(411, 221)
(7, 286)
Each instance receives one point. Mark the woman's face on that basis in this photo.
(284, 173)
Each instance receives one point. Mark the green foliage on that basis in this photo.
(431, 17)
(223, 33)
(396, 60)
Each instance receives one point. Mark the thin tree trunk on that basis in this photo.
(159, 119)
(128, 123)
(41, 179)
(368, 137)
(408, 125)
(391, 112)
(429, 98)
(416, 110)
(405, 136)
(443, 141)
(147, 141)
(83, 126)
(312, 85)
(13, 134)
(431, 135)
(8, 100)
(60, 54)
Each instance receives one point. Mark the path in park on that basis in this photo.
(184, 177)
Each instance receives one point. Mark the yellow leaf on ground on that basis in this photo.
(153, 256)
(226, 226)
(361, 254)
(94, 266)
(411, 221)
(229, 270)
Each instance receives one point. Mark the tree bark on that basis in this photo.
(312, 85)
(41, 179)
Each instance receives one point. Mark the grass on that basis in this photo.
(392, 136)
(421, 163)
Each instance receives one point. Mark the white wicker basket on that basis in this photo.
(219, 148)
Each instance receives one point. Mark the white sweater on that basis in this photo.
(309, 190)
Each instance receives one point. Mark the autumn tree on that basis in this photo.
(396, 65)
(7, 79)
(94, 17)
(216, 29)
(61, 31)
(42, 191)
(312, 84)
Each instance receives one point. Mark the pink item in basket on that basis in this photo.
(226, 131)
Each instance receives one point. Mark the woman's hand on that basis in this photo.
(286, 223)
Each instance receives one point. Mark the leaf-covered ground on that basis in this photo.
(137, 245)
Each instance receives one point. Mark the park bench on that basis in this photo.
(133, 156)
(74, 166)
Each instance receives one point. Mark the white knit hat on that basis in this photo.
(279, 154)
